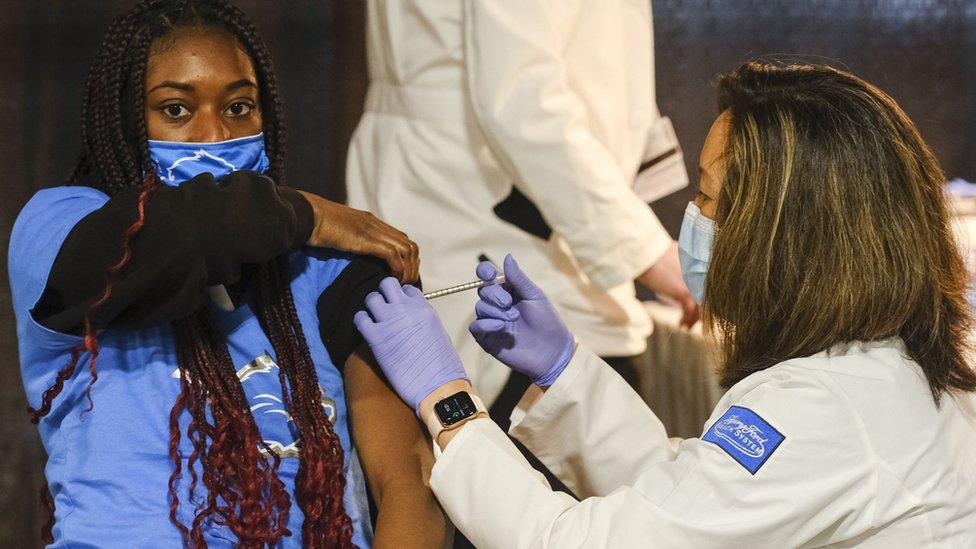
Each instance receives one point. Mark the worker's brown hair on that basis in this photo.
(833, 227)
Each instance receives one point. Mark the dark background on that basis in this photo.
(923, 52)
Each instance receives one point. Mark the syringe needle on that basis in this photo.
(464, 287)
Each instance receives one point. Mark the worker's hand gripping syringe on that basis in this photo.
(515, 322)
(517, 325)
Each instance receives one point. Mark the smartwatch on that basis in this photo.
(453, 412)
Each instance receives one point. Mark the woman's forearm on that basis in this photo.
(196, 235)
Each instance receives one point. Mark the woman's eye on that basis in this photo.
(239, 109)
(176, 111)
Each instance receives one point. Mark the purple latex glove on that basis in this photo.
(517, 325)
(408, 341)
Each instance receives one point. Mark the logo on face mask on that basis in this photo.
(197, 156)
(177, 161)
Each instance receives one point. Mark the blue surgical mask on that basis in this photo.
(695, 249)
(177, 161)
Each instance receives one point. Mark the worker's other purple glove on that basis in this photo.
(408, 341)
(517, 325)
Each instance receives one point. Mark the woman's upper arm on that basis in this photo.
(38, 234)
(397, 458)
(396, 453)
(388, 437)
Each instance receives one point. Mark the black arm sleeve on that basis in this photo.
(340, 302)
(195, 235)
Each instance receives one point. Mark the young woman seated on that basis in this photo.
(184, 320)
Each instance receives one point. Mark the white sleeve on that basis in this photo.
(794, 470)
(578, 425)
(536, 126)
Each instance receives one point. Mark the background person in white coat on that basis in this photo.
(495, 126)
(821, 248)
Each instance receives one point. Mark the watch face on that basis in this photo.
(455, 408)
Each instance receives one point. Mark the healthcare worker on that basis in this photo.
(495, 126)
(820, 247)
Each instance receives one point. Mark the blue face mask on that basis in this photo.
(695, 249)
(177, 161)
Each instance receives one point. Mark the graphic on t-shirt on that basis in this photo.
(263, 389)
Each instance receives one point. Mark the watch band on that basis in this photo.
(435, 426)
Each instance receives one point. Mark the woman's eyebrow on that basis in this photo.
(171, 84)
(242, 83)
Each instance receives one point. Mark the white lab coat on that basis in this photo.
(556, 97)
(867, 460)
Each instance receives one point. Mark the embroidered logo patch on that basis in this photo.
(746, 437)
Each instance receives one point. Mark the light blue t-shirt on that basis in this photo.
(108, 469)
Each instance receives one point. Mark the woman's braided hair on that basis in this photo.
(238, 470)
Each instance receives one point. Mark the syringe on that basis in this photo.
(464, 287)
